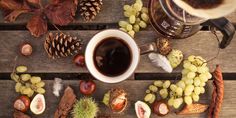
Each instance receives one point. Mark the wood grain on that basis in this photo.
(8, 95)
(203, 44)
(112, 12)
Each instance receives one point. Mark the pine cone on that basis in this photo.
(90, 8)
(61, 45)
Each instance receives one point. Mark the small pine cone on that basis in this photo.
(61, 45)
(90, 8)
(164, 46)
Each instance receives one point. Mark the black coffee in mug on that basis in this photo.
(112, 56)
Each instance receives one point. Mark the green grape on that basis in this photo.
(40, 84)
(187, 64)
(153, 88)
(173, 87)
(184, 78)
(191, 75)
(136, 28)
(186, 92)
(21, 69)
(126, 7)
(201, 69)
(127, 14)
(164, 93)
(25, 77)
(208, 75)
(197, 90)
(142, 24)
(129, 27)
(202, 90)
(153, 99)
(131, 33)
(189, 88)
(123, 24)
(40, 90)
(181, 84)
(188, 81)
(123, 29)
(197, 81)
(144, 10)
(171, 101)
(148, 91)
(191, 58)
(195, 97)
(202, 84)
(15, 77)
(158, 83)
(27, 91)
(132, 19)
(179, 91)
(188, 100)
(31, 93)
(137, 6)
(35, 79)
(27, 84)
(193, 68)
(166, 84)
(139, 2)
(203, 77)
(148, 97)
(172, 93)
(185, 71)
(22, 88)
(18, 87)
(137, 21)
(177, 102)
(144, 17)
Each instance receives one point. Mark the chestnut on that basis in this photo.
(26, 49)
(160, 108)
(22, 103)
(79, 60)
(87, 87)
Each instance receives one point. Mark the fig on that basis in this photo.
(160, 108)
(22, 103)
(38, 105)
(142, 110)
(87, 87)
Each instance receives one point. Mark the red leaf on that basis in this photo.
(13, 15)
(62, 13)
(37, 25)
(10, 4)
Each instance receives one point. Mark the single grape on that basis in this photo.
(127, 14)
(153, 88)
(191, 58)
(202, 90)
(132, 19)
(166, 84)
(15, 77)
(188, 81)
(31, 93)
(40, 84)
(123, 24)
(139, 2)
(158, 83)
(203, 77)
(181, 84)
(138, 6)
(148, 97)
(142, 24)
(148, 91)
(18, 87)
(40, 90)
(197, 90)
(144, 10)
(202, 84)
(126, 7)
(173, 87)
(137, 21)
(153, 99)
(172, 93)
(208, 75)
(27, 91)
(22, 88)
(188, 100)
(123, 29)
(187, 65)
(189, 88)
(35, 79)
(177, 102)
(21, 69)
(201, 69)
(136, 28)
(186, 92)
(195, 97)
(131, 33)
(164, 93)
(191, 75)
(193, 68)
(144, 17)
(197, 81)
(171, 101)
(185, 71)
(179, 91)
(129, 27)
(25, 77)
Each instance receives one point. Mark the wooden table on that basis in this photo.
(203, 43)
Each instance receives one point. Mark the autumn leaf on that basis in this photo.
(62, 13)
(10, 4)
(37, 25)
(14, 14)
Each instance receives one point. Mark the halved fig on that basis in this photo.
(38, 105)
(142, 110)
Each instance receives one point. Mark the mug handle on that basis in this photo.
(226, 28)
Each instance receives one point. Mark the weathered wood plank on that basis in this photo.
(135, 89)
(203, 44)
(111, 12)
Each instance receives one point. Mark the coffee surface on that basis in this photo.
(112, 56)
(204, 4)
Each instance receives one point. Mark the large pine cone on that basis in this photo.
(61, 45)
(90, 8)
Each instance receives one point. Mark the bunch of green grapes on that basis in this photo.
(27, 84)
(137, 18)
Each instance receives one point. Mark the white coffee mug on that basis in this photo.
(89, 53)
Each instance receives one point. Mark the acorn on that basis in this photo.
(26, 49)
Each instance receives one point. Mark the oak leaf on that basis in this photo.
(37, 25)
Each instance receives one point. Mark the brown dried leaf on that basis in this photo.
(10, 4)
(37, 25)
(193, 109)
(14, 14)
(62, 13)
(35, 3)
